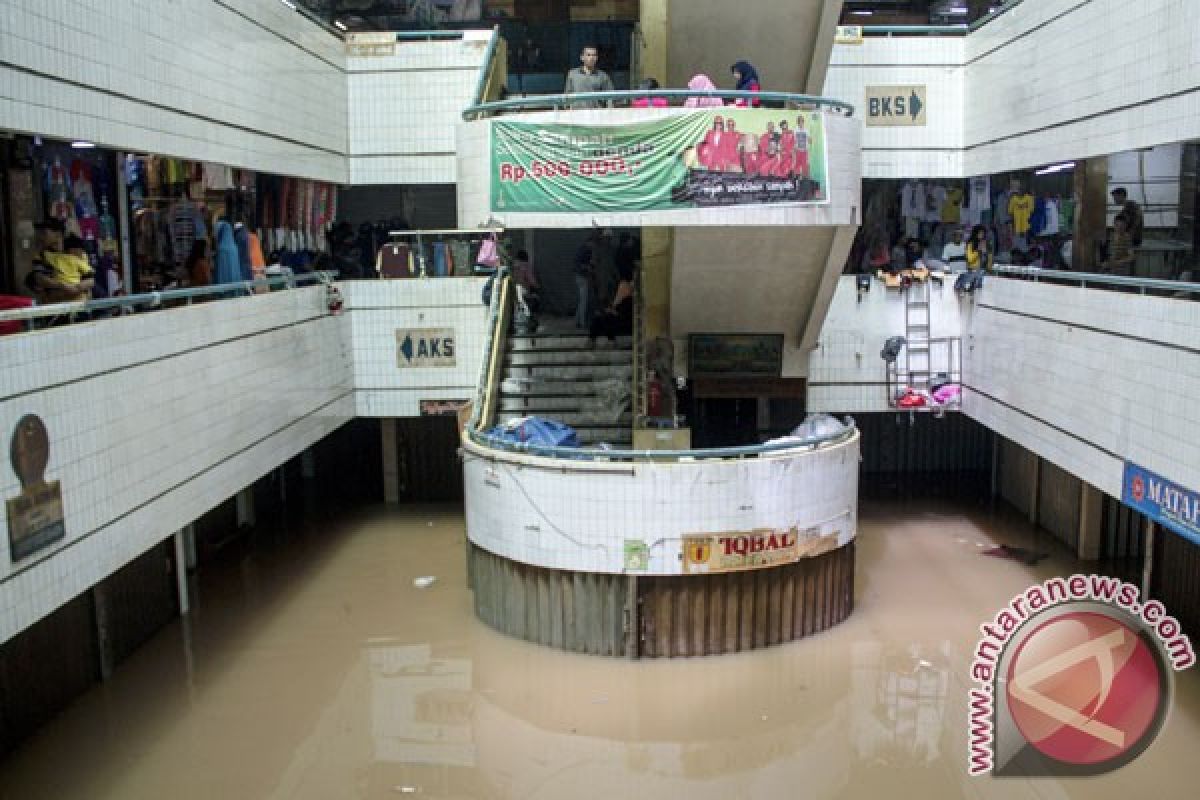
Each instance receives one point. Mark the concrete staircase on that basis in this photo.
(555, 374)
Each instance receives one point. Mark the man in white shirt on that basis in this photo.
(954, 253)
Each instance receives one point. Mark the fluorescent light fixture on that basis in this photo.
(862, 13)
(341, 26)
(82, 145)
(289, 4)
(1056, 168)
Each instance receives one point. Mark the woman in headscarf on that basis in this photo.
(747, 81)
(702, 83)
(229, 266)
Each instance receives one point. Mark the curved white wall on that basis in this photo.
(578, 515)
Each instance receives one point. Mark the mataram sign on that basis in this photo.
(895, 106)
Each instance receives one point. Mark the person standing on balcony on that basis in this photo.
(588, 78)
(747, 81)
(1134, 222)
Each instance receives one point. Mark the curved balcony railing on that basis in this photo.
(1098, 280)
(164, 299)
(487, 440)
(551, 102)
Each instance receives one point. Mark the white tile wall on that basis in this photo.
(1082, 398)
(404, 109)
(566, 518)
(378, 308)
(845, 372)
(249, 83)
(934, 150)
(156, 418)
(1048, 81)
(474, 181)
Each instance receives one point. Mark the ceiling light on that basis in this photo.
(862, 13)
(82, 145)
(1056, 168)
(341, 26)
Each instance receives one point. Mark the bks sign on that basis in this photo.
(895, 106)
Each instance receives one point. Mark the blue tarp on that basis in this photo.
(538, 431)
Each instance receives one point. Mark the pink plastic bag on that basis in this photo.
(948, 393)
(489, 253)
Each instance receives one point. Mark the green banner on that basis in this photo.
(697, 159)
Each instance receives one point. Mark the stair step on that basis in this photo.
(570, 359)
(552, 342)
(590, 372)
(525, 387)
(542, 406)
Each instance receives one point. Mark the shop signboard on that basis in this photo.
(694, 159)
(367, 45)
(1167, 503)
(730, 355)
(35, 516)
(895, 106)
(848, 34)
(442, 408)
(730, 552)
(425, 347)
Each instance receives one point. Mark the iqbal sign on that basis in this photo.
(699, 159)
(35, 517)
(728, 552)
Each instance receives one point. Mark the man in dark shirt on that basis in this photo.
(1133, 215)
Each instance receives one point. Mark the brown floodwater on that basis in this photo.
(316, 669)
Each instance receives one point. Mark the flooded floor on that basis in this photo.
(318, 670)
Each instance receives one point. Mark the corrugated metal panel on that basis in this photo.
(1058, 503)
(578, 611)
(1016, 468)
(141, 599)
(694, 615)
(904, 443)
(1176, 579)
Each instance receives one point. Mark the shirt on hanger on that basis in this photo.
(912, 200)
(1050, 228)
(952, 205)
(1020, 208)
(935, 198)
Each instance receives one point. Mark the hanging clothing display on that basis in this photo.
(227, 263)
(1020, 209)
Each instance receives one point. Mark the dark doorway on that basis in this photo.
(725, 422)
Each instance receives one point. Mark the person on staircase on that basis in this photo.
(617, 319)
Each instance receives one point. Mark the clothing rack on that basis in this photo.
(494, 229)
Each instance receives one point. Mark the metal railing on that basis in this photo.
(163, 299)
(1097, 280)
(622, 98)
(487, 440)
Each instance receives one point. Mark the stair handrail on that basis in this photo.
(499, 310)
(625, 97)
(639, 356)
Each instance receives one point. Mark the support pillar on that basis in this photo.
(633, 618)
(124, 227)
(181, 571)
(244, 502)
(1091, 511)
(101, 609)
(1091, 213)
(391, 469)
(1035, 490)
(308, 464)
(1147, 558)
(995, 465)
